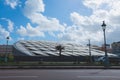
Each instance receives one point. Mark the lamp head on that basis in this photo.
(7, 38)
(103, 25)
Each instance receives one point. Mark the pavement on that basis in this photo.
(60, 74)
(59, 67)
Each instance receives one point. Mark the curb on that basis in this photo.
(58, 67)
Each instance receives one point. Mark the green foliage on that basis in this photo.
(10, 57)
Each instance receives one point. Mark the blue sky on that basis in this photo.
(59, 20)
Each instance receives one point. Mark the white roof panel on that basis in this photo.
(48, 48)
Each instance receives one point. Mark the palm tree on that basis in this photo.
(59, 48)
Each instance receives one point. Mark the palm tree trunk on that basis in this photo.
(60, 54)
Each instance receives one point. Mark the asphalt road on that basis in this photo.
(60, 74)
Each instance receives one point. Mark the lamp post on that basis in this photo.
(106, 55)
(6, 59)
(90, 56)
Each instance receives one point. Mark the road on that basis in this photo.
(60, 74)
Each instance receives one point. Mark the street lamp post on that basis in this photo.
(90, 56)
(106, 55)
(6, 59)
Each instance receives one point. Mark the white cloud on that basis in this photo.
(83, 27)
(89, 27)
(81, 35)
(12, 3)
(32, 6)
(94, 4)
(10, 24)
(3, 33)
(100, 4)
(29, 31)
(33, 10)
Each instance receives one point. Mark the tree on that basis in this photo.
(59, 48)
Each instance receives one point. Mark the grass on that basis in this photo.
(11, 62)
(50, 64)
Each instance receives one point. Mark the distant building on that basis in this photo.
(102, 48)
(116, 48)
(107, 47)
(5, 49)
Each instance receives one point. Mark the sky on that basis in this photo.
(74, 21)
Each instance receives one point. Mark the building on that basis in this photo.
(46, 51)
(6, 49)
(116, 48)
(108, 48)
(102, 48)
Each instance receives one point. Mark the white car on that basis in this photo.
(100, 59)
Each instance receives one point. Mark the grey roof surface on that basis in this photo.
(47, 48)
